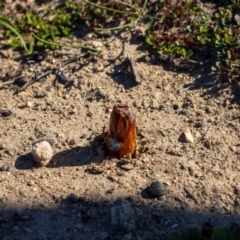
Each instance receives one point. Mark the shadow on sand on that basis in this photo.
(79, 218)
(75, 156)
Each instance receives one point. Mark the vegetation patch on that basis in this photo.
(207, 232)
(178, 28)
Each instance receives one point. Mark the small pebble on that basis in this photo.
(5, 168)
(83, 136)
(97, 44)
(2, 179)
(72, 142)
(29, 104)
(127, 166)
(5, 113)
(62, 78)
(42, 152)
(40, 56)
(209, 110)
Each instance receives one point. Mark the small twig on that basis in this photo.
(90, 50)
(207, 84)
(185, 89)
(35, 80)
(6, 83)
(162, 129)
(53, 70)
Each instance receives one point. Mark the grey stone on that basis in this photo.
(157, 189)
(124, 217)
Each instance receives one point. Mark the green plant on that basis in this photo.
(177, 28)
(231, 233)
(13, 30)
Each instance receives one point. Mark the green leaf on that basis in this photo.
(189, 53)
(14, 30)
(219, 234)
(31, 45)
(214, 69)
(188, 27)
(182, 52)
(29, 19)
(203, 29)
(149, 40)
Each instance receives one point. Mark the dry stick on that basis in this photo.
(207, 84)
(35, 80)
(9, 76)
(64, 63)
(7, 83)
(185, 89)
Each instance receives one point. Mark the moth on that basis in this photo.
(120, 139)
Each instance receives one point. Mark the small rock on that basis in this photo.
(5, 113)
(42, 152)
(209, 110)
(188, 136)
(31, 183)
(97, 44)
(207, 144)
(72, 142)
(83, 136)
(38, 93)
(62, 78)
(157, 189)
(226, 103)
(2, 179)
(40, 56)
(5, 168)
(29, 104)
(127, 166)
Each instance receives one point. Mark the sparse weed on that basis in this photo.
(179, 28)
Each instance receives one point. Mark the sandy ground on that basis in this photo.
(67, 200)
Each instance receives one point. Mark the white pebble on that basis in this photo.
(188, 136)
(29, 104)
(42, 152)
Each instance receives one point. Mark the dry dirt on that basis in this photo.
(67, 200)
